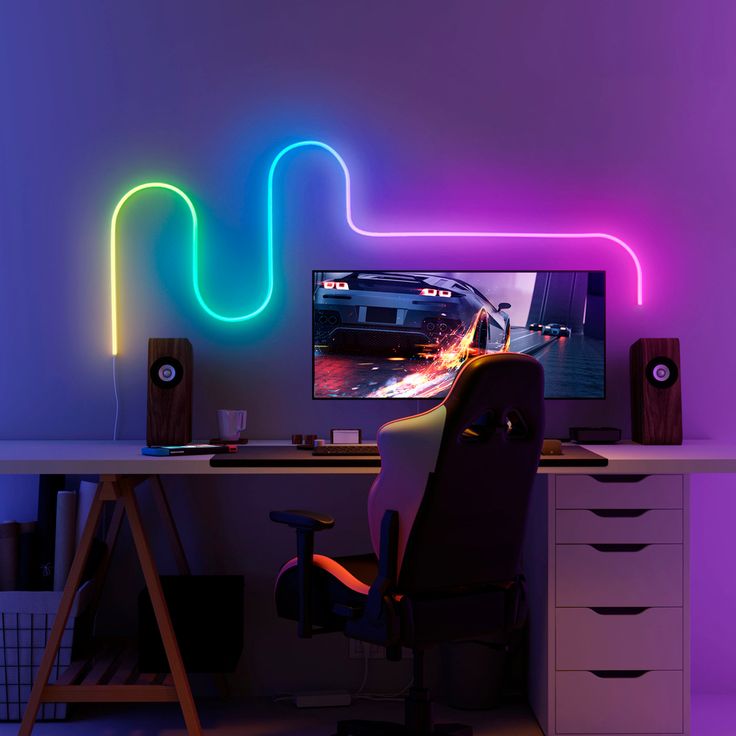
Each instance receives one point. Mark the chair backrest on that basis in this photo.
(460, 476)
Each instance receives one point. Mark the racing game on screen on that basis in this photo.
(405, 334)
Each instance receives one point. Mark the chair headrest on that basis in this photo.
(500, 393)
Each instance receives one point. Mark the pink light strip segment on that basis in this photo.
(454, 233)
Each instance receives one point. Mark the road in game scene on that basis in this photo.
(573, 367)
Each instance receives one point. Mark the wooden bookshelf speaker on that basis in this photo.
(169, 414)
(656, 401)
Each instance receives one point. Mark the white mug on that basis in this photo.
(230, 423)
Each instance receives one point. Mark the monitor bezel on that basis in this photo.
(472, 270)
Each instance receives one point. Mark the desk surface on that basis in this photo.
(92, 457)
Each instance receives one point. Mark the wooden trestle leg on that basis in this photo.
(120, 489)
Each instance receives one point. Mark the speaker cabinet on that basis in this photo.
(169, 414)
(656, 402)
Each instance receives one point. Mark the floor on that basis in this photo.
(712, 715)
(264, 718)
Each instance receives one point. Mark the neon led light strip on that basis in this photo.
(351, 223)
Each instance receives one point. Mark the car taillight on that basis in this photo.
(341, 285)
(436, 292)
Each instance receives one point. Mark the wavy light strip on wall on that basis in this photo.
(351, 223)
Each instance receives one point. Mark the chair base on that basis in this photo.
(387, 728)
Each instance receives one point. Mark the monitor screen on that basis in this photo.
(405, 334)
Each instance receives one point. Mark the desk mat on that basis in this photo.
(253, 456)
(274, 456)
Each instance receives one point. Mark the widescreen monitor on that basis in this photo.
(406, 334)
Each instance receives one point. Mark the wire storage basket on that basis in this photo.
(26, 618)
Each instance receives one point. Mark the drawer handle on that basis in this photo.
(619, 478)
(619, 513)
(618, 674)
(619, 547)
(619, 610)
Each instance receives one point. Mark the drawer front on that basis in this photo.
(651, 703)
(648, 492)
(610, 526)
(651, 639)
(588, 577)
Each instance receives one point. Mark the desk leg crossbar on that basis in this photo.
(175, 688)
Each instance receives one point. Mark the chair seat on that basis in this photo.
(343, 581)
(363, 567)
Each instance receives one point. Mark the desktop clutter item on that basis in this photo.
(447, 515)
(230, 423)
(552, 447)
(169, 410)
(306, 441)
(346, 436)
(656, 402)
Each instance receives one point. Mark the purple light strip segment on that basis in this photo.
(458, 233)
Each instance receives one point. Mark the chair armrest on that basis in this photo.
(306, 524)
(298, 519)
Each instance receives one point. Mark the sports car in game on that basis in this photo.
(556, 330)
(401, 313)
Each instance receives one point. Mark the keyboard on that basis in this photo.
(345, 450)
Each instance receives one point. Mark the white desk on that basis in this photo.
(121, 467)
(100, 457)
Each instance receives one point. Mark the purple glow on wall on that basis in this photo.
(614, 116)
(465, 233)
(270, 218)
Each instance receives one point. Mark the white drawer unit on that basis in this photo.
(609, 605)
(619, 575)
(630, 526)
(618, 638)
(619, 703)
(619, 492)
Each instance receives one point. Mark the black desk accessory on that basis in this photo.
(279, 456)
(264, 456)
(595, 435)
(337, 450)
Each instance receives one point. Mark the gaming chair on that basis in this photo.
(446, 515)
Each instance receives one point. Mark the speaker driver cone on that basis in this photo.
(166, 372)
(661, 372)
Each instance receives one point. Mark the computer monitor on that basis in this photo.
(406, 334)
